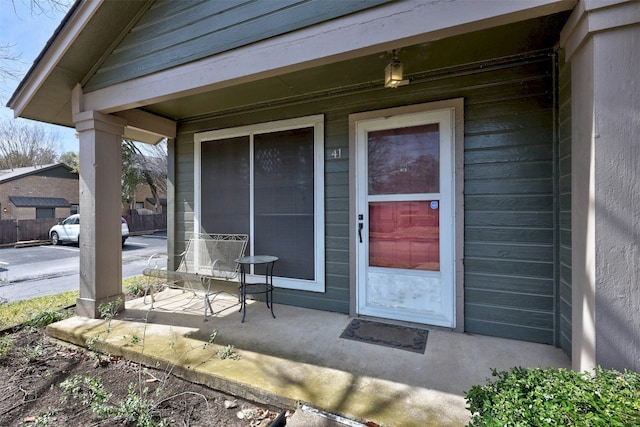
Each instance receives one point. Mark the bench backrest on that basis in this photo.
(213, 254)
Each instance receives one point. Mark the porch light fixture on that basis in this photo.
(393, 73)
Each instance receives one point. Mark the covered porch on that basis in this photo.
(299, 358)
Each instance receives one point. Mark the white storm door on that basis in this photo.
(405, 208)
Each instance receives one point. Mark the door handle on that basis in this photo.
(360, 225)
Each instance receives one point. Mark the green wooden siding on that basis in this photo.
(173, 32)
(510, 269)
(509, 207)
(564, 172)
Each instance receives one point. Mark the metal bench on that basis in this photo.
(207, 258)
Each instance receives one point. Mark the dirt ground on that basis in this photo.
(30, 391)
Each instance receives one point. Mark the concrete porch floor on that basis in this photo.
(299, 358)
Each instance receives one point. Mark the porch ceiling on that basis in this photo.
(368, 71)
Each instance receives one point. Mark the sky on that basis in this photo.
(27, 33)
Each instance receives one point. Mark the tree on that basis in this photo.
(71, 159)
(138, 168)
(26, 144)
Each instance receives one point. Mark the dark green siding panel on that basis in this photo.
(337, 166)
(335, 178)
(508, 219)
(529, 170)
(510, 272)
(565, 258)
(528, 252)
(336, 191)
(565, 200)
(337, 256)
(523, 235)
(341, 243)
(513, 300)
(510, 154)
(172, 33)
(516, 332)
(508, 203)
(512, 268)
(539, 319)
(308, 300)
(339, 217)
(510, 187)
(337, 204)
(513, 284)
(516, 137)
(564, 172)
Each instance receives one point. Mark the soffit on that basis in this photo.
(52, 101)
(368, 71)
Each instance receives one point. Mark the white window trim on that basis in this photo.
(317, 122)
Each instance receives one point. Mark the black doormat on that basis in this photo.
(395, 336)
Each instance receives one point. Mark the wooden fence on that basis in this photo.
(24, 230)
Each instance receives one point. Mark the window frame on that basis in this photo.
(317, 123)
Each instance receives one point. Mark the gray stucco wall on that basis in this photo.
(617, 199)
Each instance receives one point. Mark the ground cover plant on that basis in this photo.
(18, 312)
(48, 383)
(556, 397)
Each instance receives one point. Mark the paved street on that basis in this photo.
(47, 270)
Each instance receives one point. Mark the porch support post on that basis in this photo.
(601, 42)
(100, 209)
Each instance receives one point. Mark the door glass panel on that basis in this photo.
(405, 235)
(404, 160)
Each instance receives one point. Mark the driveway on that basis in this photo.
(47, 269)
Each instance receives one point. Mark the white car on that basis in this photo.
(68, 230)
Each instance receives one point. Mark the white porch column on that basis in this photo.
(602, 40)
(100, 211)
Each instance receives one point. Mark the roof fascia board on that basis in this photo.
(52, 55)
(36, 170)
(387, 27)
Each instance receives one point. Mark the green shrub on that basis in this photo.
(556, 397)
(135, 285)
(6, 344)
(46, 317)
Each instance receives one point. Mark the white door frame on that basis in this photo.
(455, 106)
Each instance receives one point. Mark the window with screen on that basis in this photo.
(268, 183)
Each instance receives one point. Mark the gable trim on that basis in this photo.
(76, 19)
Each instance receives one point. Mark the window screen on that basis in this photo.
(282, 222)
(225, 186)
(284, 200)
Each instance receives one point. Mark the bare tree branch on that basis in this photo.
(26, 144)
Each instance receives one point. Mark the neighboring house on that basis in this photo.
(494, 191)
(145, 202)
(48, 191)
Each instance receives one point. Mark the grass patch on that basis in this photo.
(17, 312)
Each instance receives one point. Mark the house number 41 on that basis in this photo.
(336, 153)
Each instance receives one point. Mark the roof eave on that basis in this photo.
(60, 42)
